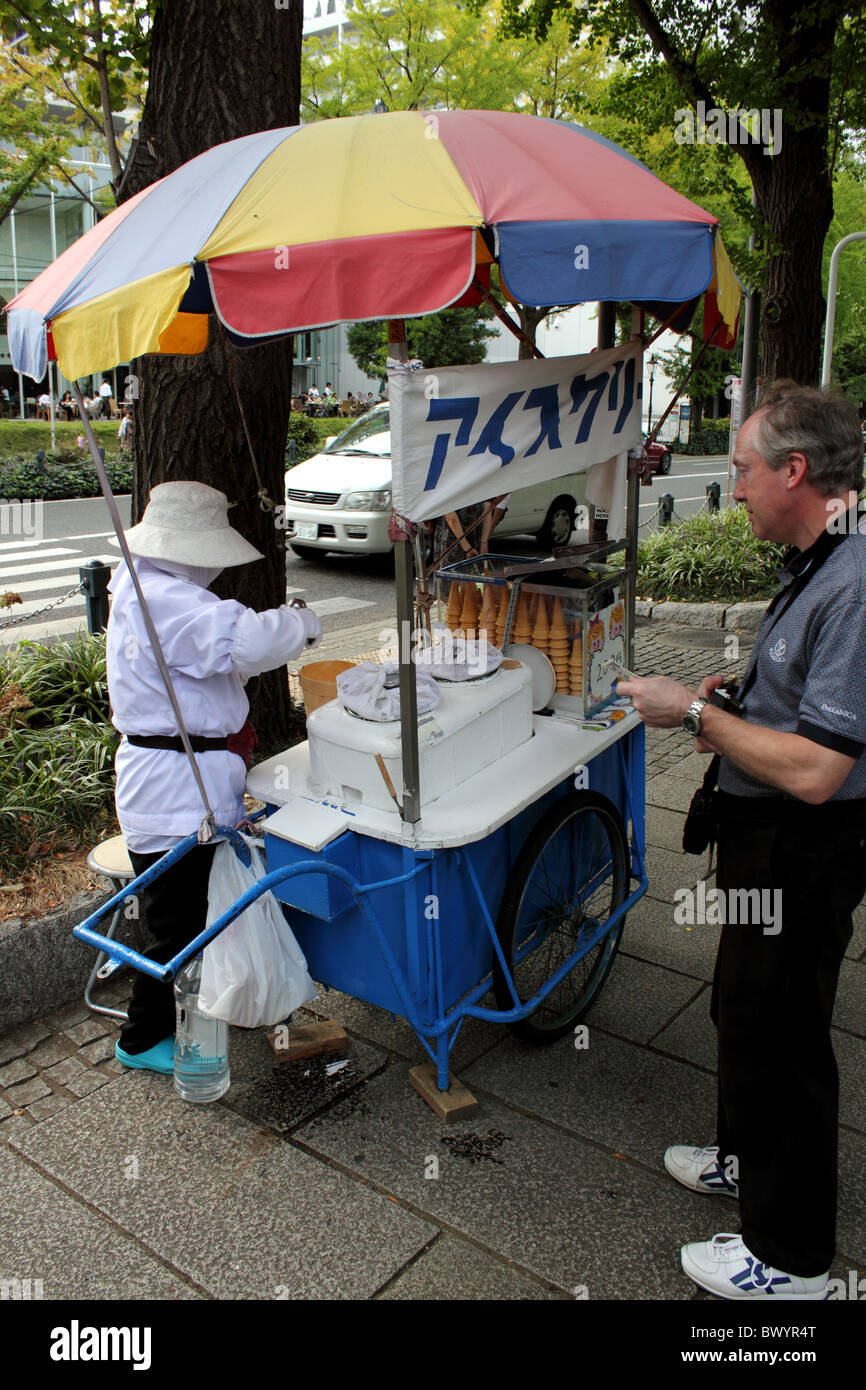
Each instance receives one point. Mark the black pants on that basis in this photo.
(772, 1001)
(175, 907)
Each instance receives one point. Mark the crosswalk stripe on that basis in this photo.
(20, 570)
(31, 555)
(59, 582)
(328, 606)
(22, 544)
(18, 610)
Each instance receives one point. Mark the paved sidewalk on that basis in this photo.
(308, 1185)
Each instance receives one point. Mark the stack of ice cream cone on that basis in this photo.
(540, 628)
(522, 625)
(487, 616)
(502, 617)
(455, 606)
(558, 648)
(469, 611)
(575, 665)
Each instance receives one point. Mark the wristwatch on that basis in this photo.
(692, 717)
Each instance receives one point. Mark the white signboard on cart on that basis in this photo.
(466, 434)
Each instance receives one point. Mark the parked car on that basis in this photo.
(659, 455)
(340, 500)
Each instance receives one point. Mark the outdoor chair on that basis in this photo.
(110, 859)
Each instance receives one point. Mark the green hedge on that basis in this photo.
(68, 473)
(56, 749)
(706, 558)
(712, 438)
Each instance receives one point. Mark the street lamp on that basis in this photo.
(653, 363)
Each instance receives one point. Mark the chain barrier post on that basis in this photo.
(94, 578)
(666, 509)
(714, 496)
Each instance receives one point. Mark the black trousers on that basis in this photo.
(772, 1001)
(175, 908)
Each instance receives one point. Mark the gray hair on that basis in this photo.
(824, 427)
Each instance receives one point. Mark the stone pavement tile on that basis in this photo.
(50, 1051)
(652, 934)
(21, 1040)
(851, 1217)
(19, 1096)
(639, 998)
(664, 828)
(857, 945)
(625, 1098)
(850, 1010)
(670, 791)
(557, 1206)
(282, 1095)
(99, 1051)
(454, 1269)
(87, 1082)
(5, 1108)
(230, 1206)
(88, 1031)
(42, 1109)
(851, 1058)
(671, 870)
(67, 1017)
(475, 1037)
(65, 1071)
(691, 1035)
(48, 1235)
(19, 1070)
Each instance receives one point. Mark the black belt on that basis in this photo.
(197, 742)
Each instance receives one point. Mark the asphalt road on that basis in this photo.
(42, 548)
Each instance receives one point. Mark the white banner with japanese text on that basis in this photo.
(466, 434)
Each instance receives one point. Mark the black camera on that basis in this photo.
(726, 698)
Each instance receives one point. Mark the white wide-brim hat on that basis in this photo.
(189, 523)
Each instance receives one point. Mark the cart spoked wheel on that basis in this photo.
(570, 876)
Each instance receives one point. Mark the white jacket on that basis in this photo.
(211, 647)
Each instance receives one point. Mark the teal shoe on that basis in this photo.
(159, 1058)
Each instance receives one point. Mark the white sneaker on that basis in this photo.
(700, 1170)
(726, 1267)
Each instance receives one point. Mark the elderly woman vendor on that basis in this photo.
(211, 647)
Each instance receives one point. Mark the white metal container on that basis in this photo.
(477, 723)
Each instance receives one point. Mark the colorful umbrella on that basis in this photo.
(381, 216)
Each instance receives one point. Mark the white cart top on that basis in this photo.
(469, 813)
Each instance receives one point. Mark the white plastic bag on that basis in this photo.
(254, 973)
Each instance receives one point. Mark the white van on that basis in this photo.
(340, 500)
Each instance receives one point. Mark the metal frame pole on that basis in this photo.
(832, 285)
(405, 579)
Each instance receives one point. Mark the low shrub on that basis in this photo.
(308, 439)
(708, 557)
(56, 748)
(713, 437)
(67, 473)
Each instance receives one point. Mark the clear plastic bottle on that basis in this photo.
(201, 1047)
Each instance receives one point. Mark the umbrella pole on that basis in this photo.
(411, 811)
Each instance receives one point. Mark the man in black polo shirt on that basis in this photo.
(792, 825)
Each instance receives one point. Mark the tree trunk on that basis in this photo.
(220, 69)
(530, 318)
(793, 191)
(796, 200)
